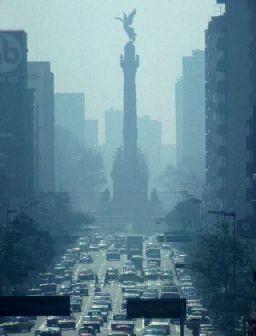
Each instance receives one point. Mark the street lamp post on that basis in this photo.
(200, 213)
(217, 213)
(233, 215)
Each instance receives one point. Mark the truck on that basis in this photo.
(153, 253)
(135, 242)
(137, 261)
(120, 241)
(134, 245)
(113, 255)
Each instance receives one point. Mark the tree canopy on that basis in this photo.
(227, 297)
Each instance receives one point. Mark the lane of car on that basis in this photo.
(100, 274)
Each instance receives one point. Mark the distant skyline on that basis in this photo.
(83, 42)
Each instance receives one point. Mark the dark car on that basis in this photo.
(102, 301)
(166, 275)
(112, 273)
(86, 275)
(48, 288)
(113, 255)
(130, 276)
(52, 321)
(93, 248)
(92, 325)
(65, 290)
(123, 326)
(151, 274)
(94, 316)
(46, 277)
(119, 316)
(34, 291)
(76, 305)
(67, 323)
(86, 259)
(84, 291)
(149, 295)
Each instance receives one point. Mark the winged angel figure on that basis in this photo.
(127, 22)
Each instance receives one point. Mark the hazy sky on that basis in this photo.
(83, 42)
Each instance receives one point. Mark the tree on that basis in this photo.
(79, 171)
(91, 179)
(173, 182)
(185, 215)
(55, 214)
(214, 271)
(26, 248)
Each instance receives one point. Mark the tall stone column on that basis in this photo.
(130, 204)
(130, 171)
(129, 63)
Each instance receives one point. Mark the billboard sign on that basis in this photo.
(13, 54)
(10, 53)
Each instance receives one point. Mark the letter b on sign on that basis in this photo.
(10, 53)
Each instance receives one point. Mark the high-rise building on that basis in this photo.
(91, 133)
(41, 79)
(179, 119)
(228, 109)
(150, 142)
(215, 108)
(193, 116)
(69, 113)
(17, 118)
(113, 139)
(251, 142)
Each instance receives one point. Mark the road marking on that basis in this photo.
(43, 325)
(101, 269)
(84, 310)
(91, 297)
(117, 294)
(142, 326)
(77, 271)
(114, 307)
